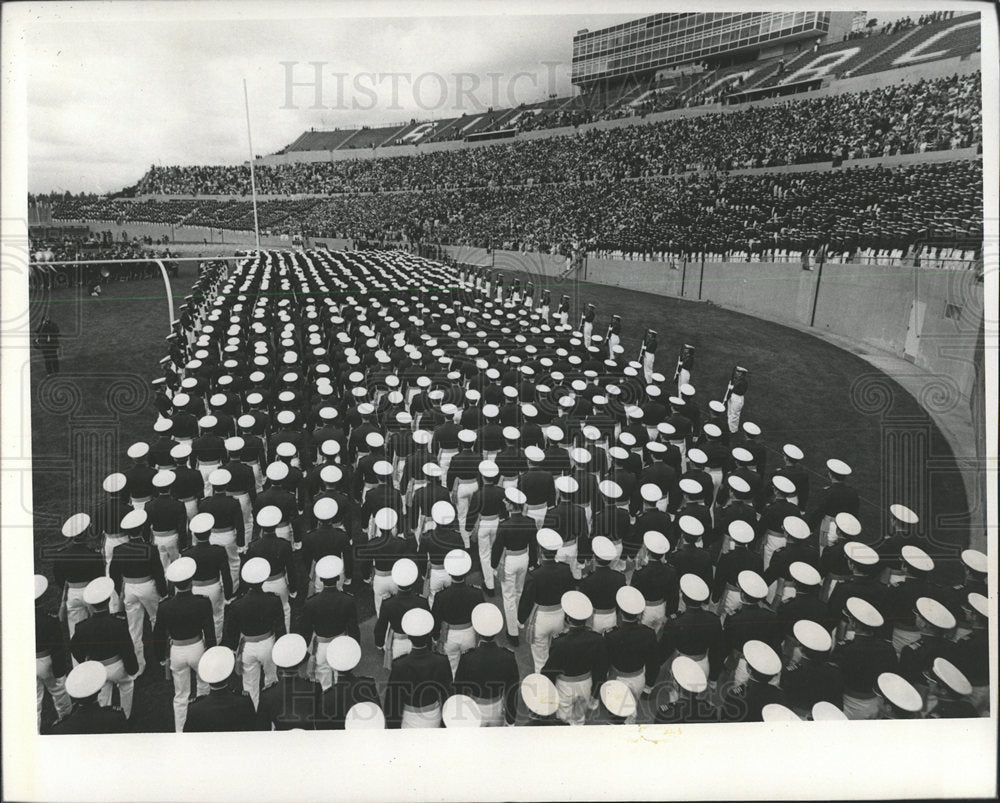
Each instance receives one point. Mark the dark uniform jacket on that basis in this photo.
(88, 717)
(348, 691)
(632, 647)
(328, 614)
(658, 581)
(578, 651)
(544, 585)
(183, 616)
(811, 681)
(104, 636)
(255, 613)
(220, 710)
(292, 702)
(419, 678)
(487, 672)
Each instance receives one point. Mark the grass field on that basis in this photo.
(831, 403)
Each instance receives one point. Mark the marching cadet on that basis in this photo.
(657, 581)
(108, 516)
(751, 442)
(488, 673)
(462, 479)
(389, 633)
(461, 711)
(74, 565)
(901, 598)
(837, 497)
(294, 702)
(343, 654)
(745, 702)
(972, 651)
(278, 554)
(255, 620)
(569, 518)
(562, 314)
(696, 632)
(602, 584)
(453, 607)
(826, 712)
(428, 492)
(735, 395)
(862, 657)
(515, 546)
(328, 537)
(211, 576)
(326, 615)
(753, 621)
(52, 660)
(690, 705)
(732, 504)
(381, 553)
(685, 364)
(227, 516)
(537, 484)
(420, 681)
(242, 485)
(902, 526)
(805, 604)
(613, 336)
(587, 324)
(951, 691)
(139, 478)
(689, 558)
(541, 599)
(105, 638)
(725, 586)
(167, 519)
(813, 677)
(137, 573)
(936, 624)
(188, 486)
(862, 561)
(541, 702)
(543, 306)
(184, 630)
(84, 684)
(896, 698)
(798, 549)
(792, 457)
(437, 543)
(647, 355)
(633, 651)
(483, 519)
(770, 527)
(221, 710)
(578, 660)
(618, 705)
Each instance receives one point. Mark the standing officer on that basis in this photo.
(633, 652)
(514, 545)
(294, 701)
(695, 633)
(74, 565)
(52, 661)
(167, 519)
(84, 684)
(184, 629)
(745, 702)
(578, 660)
(690, 703)
(420, 681)
(343, 654)
(227, 530)
(813, 677)
(657, 582)
(222, 709)
(326, 615)
(105, 638)
(328, 537)
(485, 510)
(541, 600)
(489, 673)
(602, 584)
(254, 621)
(278, 554)
(211, 577)
(453, 606)
(836, 498)
(863, 658)
(389, 633)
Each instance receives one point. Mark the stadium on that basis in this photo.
(744, 257)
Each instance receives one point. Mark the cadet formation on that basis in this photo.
(551, 533)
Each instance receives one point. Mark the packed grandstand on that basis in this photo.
(737, 165)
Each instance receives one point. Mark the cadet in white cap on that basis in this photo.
(52, 660)
(602, 584)
(485, 509)
(255, 620)
(343, 654)
(618, 704)
(89, 716)
(725, 586)
(577, 661)
(972, 652)
(283, 568)
(365, 716)
(813, 676)
(294, 701)
(688, 703)
(541, 701)
(657, 581)
(140, 475)
(167, 518)
(696, 633)
(936, 625)
(862, 656)
(327, 615)
(389, 633)
(633, 652)
(74, 565)
(897, 697)
(836, 497)
(461, 711)
(753, 620)
(540, 605)
(437, 543)
(185, 628)
(419, 681)
(827, 712)
(452, 608)
(773, 516)
(948, 691)
(106, 638)
(514, 548)
(489, 673)
(222, 710)
(745, 703)
(107, 519)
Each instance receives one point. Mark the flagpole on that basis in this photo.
(253, 175)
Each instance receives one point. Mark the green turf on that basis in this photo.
(800, 391)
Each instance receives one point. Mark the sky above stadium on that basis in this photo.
(108, 97)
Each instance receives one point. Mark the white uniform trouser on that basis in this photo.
(636, 682)
(464, 489)
(444, 460)
(183, 661)
(647, 366)
(227, 540)
(828, 533)
(166, 545)
(547, 625)
(139, 598)
(382, 589)
(486, 532)
(279, 586)
(117, 676)
(716, 475)
(190, 507)
(655, 616)
(733, 409)
(567, 554)
(429, 717)
(205, 469)
(76, 608)
(437, 580)
(537, 513)
(683, 378)
(860, 707)
(322, 671)
(213, 591)
(574, 699)
(457, 642)
(513, 570)
(588, 332)
(46, 679)
(902, 637)
(110, 542)
(257, 654)
(491, 712)
(772, 544)
(613, 340)
(603, 621)
(139, 502)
